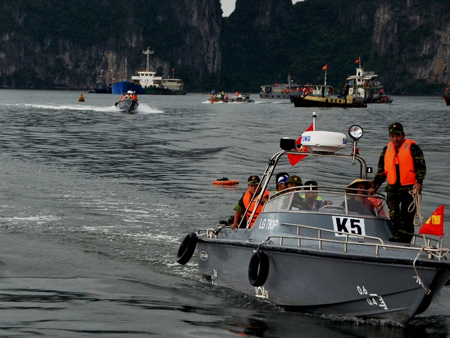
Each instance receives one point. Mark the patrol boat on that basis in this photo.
(128, 102)
(280, 90)
(332, 260)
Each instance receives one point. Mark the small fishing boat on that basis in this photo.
(217, 98)
(325, 96)
(330, 259)
(128, 102)
(241, 98)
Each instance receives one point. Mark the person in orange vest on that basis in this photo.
(244, 203)
(402, 163)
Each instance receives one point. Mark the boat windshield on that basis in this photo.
(327, 200)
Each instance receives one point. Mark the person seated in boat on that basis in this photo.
(244, 203)
(293, 184)
(311, 196)
(358, 201)
(280, 182)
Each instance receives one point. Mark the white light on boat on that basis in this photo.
(324, 141)
(355, 132)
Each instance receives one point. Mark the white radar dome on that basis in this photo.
(324, 141)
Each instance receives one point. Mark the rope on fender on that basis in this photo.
(417, 200)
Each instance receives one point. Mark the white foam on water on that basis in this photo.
(146, 109)
(71, 107)
(33, 218)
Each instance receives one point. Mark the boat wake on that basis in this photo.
(146, 109)
(70, 107)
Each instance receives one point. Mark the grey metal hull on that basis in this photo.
(314, 282)
(127, 105)
(335, 257)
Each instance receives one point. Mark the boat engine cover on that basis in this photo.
(324, 141)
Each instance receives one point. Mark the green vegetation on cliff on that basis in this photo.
(64, 44)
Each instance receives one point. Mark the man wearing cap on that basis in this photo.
(244, 203)
(298, 203)
(280, 181)
(402, 163)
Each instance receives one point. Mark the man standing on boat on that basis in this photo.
(402, 163)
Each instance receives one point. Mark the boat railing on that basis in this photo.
(377, 243)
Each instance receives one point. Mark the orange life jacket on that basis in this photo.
(405, 162)
(246, 199)
(377, 203)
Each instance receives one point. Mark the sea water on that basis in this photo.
(94, 204)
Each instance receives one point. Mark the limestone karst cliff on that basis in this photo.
(59, 44)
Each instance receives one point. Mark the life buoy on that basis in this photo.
(225, 181)
(258, 269)
(187, 248)
(229, 182)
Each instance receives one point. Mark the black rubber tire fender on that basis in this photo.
(258, 269)
(187, 248)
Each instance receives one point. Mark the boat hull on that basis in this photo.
(277, 95)
(124, 86)
(297, 280)
(314, 101)
(379, 99)
(280, 91)
(162, 91)
(447, 99)
(127, 105)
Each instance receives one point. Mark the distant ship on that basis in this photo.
(280, 90)
(124, 86)
(157, 85)
(367, 86)
(101, 86)
(121, 87)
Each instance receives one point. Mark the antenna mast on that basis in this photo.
(148, 52)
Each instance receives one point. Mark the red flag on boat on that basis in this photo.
(325, 67)
(435, 224)
(294, 158)
(357, 61)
